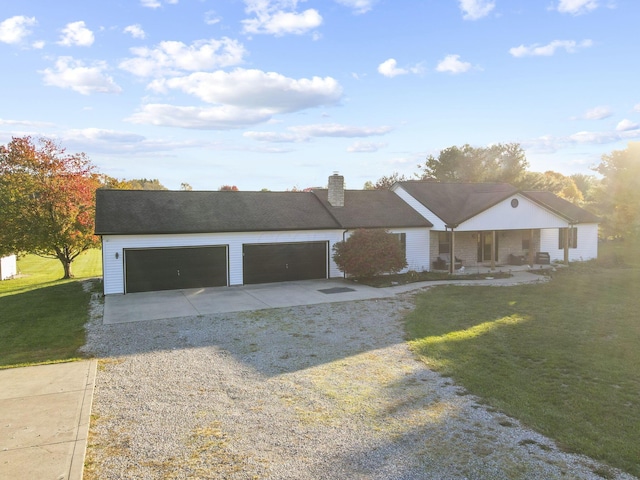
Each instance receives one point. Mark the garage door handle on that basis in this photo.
(178, 272)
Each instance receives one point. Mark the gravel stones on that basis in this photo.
(327, 391)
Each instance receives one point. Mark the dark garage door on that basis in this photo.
(175, 268)
(282, 262)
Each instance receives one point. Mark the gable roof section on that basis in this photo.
(568, 210)
(455, 203)
(129, 212)
(373, 209)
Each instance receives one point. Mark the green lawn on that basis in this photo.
(41, 316)
(563, 357)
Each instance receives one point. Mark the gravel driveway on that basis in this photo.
(327, 391)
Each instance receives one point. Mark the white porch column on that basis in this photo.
(493, 250)
(452, 260)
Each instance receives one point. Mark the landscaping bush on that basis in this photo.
(369, 252)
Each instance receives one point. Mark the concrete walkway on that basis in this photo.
(44, 420)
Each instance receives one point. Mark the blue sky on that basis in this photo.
(282, 93)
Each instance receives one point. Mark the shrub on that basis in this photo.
(369, 252)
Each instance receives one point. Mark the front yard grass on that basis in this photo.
(562, 357)
(42, 317)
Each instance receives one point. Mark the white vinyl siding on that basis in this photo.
(417, 247)
(113, 268)
(587, 243)
(503, 216)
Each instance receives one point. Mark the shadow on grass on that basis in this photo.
(42, 325)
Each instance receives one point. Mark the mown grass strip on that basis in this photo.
(562, 357)
(42, 317)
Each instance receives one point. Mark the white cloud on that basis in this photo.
(102, 135)
(76, 33)
(209, 118)
(636, 107)
(172, 57)
(274, 137)
(13, 30)
(476, 9)
(626, 125)
(73, 74)
(551, 144)
(211, 18)
(272, 17)
(156, 3)
(577, 7)
(303, 133)
(453, 64)
(570, 46)
(389, 68)
(337, 130)
(598, 113)
(26, 123)
(255, 89)
(136, 31)
(358, 6)
(365, 147)
(38, 45)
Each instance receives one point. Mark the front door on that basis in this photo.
(485, 241)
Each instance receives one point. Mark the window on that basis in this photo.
(444, 242)
(573, 237)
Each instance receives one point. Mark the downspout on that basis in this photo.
(344, 237)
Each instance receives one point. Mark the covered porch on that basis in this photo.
(491, 249)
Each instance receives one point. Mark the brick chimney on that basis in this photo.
(336, 190)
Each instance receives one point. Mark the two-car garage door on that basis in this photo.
(151, 269)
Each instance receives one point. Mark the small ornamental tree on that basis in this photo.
(47, 200)
(369, 252)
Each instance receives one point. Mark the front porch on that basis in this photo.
(487, 250)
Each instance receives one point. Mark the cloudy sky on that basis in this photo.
(282, 93)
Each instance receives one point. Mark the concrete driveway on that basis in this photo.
(135, 307)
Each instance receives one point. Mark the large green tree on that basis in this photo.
(47, 200)
(497, 163)
(619, 193)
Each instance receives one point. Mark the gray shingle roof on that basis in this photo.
(373, 209)
(146, 211)
(572, 212)
(456, 202)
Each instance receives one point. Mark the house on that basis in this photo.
(161, 240)
(491, 223)
(8, 267)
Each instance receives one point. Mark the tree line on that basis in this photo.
(612, 192)
(47, 196)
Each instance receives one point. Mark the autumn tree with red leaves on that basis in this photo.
(47, 200)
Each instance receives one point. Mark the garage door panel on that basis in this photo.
(175, 268)
(280, 262)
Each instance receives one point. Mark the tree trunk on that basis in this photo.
(66, 265)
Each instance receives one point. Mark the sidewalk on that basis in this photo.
(44, 420)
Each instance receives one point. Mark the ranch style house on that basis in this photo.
(164, 240)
